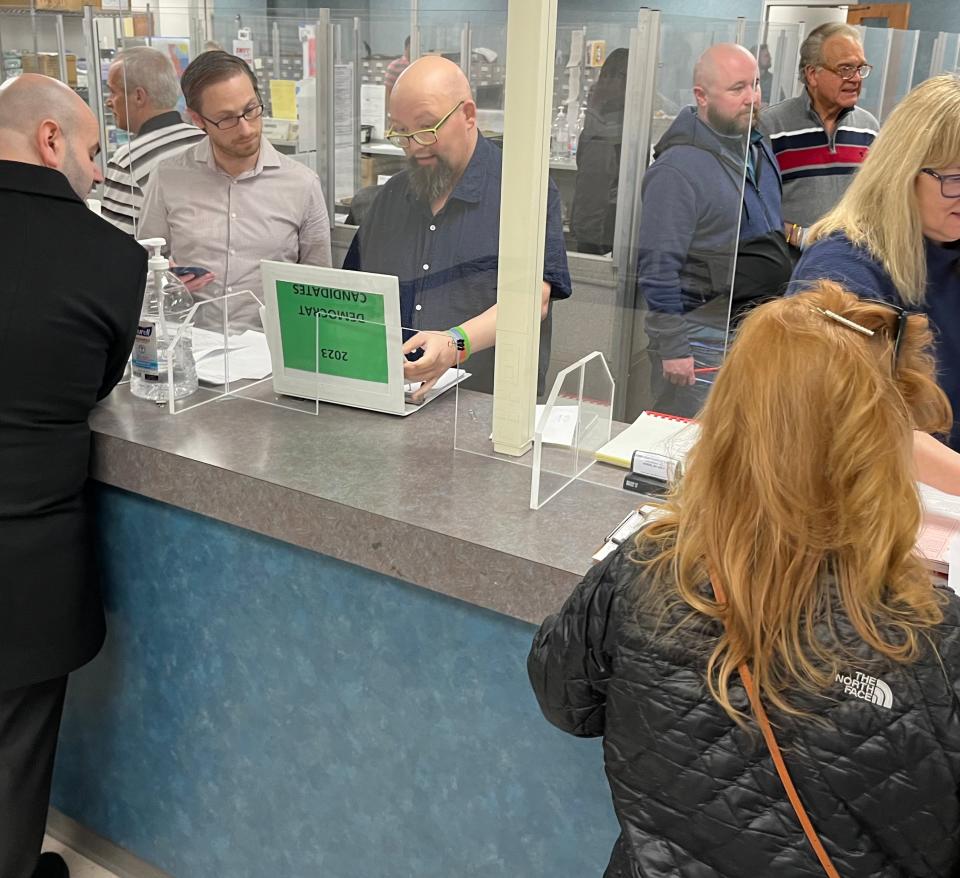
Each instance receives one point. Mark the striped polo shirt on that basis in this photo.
(130, 166)
(816, 167)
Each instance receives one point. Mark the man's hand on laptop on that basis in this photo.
(439, 354)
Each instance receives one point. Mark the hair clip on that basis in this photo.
(856, 327)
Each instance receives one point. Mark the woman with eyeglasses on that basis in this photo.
(894, 236)
(776, 604)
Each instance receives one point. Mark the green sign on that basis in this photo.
(333, 331)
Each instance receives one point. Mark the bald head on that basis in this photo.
(433, 92)
(718, 61)
(30, 98)
(726, 85)
(43, 122)
(435, 76)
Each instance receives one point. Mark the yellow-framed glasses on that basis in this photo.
(425, 136)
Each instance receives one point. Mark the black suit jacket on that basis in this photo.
(71, 286)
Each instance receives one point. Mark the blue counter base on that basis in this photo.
(261, 710)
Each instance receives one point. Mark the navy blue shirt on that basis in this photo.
(447, 264)
(836, 258)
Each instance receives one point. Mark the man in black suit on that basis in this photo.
(71, 287)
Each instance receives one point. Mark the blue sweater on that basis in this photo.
(837, 259)
(692, 197)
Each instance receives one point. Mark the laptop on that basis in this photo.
(335, 336)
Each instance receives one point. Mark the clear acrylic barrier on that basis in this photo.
(900, 70)
(783, 43)
(217, 357)
(571, 426)
(610, 309)
(624, 316)
(323, 351)
(877, 43)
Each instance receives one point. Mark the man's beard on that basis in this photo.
(430, 182)
(737, 126)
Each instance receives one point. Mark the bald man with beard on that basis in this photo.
(436, 226)
(712, 194)
(71, 288)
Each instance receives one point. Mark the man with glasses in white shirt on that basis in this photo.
(232, 199)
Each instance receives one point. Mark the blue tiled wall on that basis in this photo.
(260, 710)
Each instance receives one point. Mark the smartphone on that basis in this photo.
(183, 270)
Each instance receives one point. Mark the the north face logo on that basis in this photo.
(861, 685)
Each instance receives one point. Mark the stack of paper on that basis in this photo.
(941, 525)
(653, 433)
(248, 353)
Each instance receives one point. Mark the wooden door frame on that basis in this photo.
(896, 14)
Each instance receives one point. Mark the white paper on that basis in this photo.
(938, 540)
(307, 113)
(953, 569)
(447, 379)
(561, 426)
(248, 354)
(373, 108)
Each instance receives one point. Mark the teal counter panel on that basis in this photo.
(263, 710)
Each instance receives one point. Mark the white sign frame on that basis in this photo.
(354, 392)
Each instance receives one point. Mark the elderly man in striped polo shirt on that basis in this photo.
(821, 137)
(144, 90)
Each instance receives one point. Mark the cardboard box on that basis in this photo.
(54, 5)
(48, 63)
(61, 5)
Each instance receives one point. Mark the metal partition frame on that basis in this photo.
(94, 86)
(326, 141)
(634, 157)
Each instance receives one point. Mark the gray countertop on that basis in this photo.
(390, 494)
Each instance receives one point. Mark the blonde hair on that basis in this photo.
(800, 493)
(879, 211)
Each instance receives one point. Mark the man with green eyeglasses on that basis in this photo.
(436, 226)
(232, 199)
(821, 137)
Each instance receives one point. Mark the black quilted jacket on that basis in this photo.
(697, 796)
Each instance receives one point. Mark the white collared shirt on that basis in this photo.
(228, 224)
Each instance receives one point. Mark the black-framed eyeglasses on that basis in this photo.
(949, 183)
(233, 121)
(425, 136)
(848, 71)
(902, 316)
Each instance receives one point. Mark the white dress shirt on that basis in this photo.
(228, 224)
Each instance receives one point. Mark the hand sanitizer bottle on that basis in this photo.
(166, 303)
(560, 148)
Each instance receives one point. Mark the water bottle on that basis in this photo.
(166, 304)
(561, 139)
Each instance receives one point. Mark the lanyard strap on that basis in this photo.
(774, 748)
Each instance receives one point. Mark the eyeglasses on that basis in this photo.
(848, 71)
(902, 316)
(949, 183)
(233, 121)
(425, 136)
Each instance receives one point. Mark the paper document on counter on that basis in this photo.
(561, 426)
(937, 541)
(447, 379)
(655, 433)
(248, 353)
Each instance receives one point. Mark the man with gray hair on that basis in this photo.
(144, 91)
(71, 287)
(821, 137)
